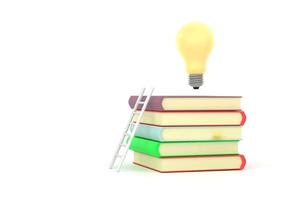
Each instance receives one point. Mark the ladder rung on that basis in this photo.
(123, 145)
(137, 112)
(118, 156)
(141, 102)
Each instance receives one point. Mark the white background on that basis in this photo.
(67, 69)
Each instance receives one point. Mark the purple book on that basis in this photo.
(189, 103)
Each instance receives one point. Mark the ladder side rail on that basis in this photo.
(126, 129)
(135, 128)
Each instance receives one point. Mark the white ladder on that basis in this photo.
(129, 132)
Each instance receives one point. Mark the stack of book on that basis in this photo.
(189, 133)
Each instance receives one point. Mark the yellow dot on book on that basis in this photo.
(217, 136)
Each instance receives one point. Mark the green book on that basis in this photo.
(192, 148)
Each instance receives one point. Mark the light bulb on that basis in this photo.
(195, 41)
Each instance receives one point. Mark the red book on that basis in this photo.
(193, 118)
(190, 163)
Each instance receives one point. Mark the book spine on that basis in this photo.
(149, 132)
(154, 104)
(148, 147)
(243, 162)
(243, 118)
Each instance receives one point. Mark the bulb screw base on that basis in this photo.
(195, 80)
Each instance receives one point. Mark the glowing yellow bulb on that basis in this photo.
(195, 41)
